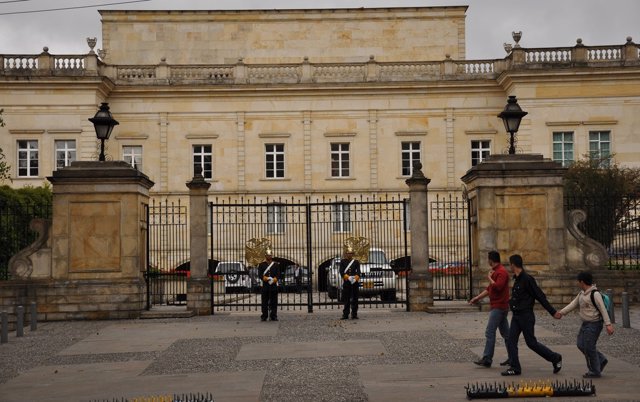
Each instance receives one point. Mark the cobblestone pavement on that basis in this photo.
(386, 355)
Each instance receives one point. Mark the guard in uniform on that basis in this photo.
(269, 273)
(350, 273)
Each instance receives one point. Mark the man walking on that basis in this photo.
(350, 274)
(498, 292)
(269, 272)
(523, 296)
(593, 313)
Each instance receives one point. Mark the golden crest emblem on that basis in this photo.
(360, 247)
(255, 249)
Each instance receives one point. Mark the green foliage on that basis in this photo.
(606, 192)
(17, 208)
(4, 167)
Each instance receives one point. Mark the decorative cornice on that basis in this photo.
(488, 131)
(34, 131)
(201, 136)
(274, 135)
(339, 134)
(411, 133)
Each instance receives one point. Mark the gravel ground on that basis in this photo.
(316, 376)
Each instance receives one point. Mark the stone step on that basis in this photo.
(453, 307)
(167, 312)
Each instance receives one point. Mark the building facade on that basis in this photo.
(310, 102)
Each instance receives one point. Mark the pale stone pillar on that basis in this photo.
(198, 285)
(517, 208)
(420, 292)
(98, 246)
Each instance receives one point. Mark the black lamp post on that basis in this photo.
(103, 123)
(511, 117)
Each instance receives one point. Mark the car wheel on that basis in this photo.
(233, 278)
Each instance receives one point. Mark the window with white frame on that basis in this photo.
(27, 158)
(65, 151)
(203, 161)
(410, 155)
(276, 218)
(274, 161)
(563, 147)
(341, 217)
(599, 144)
(480, 149)
(339, 159)
(132, 154)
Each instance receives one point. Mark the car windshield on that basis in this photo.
(377, 257)
(225, 268)
(292, 270)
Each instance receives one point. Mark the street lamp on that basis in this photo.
(103, 123)
(511, 117)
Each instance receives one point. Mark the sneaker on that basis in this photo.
(590, 375)
(263, 318)
(483, 362)
(354, 317)
(344, 317)
(557, 366)
(510, 371)
(603, 364)
(274, 318)
(505, 363)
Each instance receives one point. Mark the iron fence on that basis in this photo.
(615, 223)
(307, 236)
(15, 233)
(450, 247)
(168, 253)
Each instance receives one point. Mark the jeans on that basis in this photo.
(497, 321)
(524, 322)
(587, 340)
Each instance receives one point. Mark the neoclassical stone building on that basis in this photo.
(310, 102)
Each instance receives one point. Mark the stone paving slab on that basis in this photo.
(151, 337)
(296, 350)
(446, 381)
(107, 381)
(463, 326)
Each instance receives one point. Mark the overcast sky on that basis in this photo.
(544, 23)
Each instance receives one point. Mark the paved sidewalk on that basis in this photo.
(386, 355)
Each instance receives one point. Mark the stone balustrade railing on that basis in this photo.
(580, 55)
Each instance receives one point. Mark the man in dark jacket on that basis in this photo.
(498, 292)
(269, 273)
(350, 274)
(524, 293)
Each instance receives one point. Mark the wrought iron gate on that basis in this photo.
(167, 253)
(307, 237)
(450, 247)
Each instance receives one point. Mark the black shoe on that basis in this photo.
(557, 366)
(483, 362)
(274, 318)
(263, 318)
(345, 317)
(354, 317)
(603, 364)
(510, 371)
(505, 363)
(590, 375)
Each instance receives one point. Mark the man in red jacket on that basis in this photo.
(498, 292)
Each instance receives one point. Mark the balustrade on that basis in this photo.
(547, 55)
(240, 73)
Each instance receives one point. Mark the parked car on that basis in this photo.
(291, 282)
(447, 268)
(236, 276)
(377, 277)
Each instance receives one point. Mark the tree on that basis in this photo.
(607, 192)
(4, 167)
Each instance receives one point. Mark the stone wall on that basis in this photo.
(73, 300)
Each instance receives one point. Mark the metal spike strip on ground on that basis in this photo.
(168, 398)
(526, 388)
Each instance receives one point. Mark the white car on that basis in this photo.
(236, 276)
(377, 277)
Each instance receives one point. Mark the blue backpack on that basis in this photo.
(605, 298)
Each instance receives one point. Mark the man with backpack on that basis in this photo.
(593, 311)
